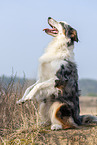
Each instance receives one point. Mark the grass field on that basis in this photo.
(19, 123)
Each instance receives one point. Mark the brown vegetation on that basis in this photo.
(19, 123)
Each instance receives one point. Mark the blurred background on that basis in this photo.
(22, 40)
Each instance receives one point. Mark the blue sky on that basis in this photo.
(22, 40)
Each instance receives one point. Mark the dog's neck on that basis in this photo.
(58, 47)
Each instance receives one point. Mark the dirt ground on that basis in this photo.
(83, 136)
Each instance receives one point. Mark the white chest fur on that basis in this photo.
(48, 69)
(53, 58)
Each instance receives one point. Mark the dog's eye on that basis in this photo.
(70, 30)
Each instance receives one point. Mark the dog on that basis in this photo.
(58, 100)
(59, 49)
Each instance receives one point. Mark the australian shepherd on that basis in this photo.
(57, 90)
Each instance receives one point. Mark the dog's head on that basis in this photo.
(62, 28)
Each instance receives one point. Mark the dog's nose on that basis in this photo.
(49, 18)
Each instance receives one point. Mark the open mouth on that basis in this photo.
(54, 31)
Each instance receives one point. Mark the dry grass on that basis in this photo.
(19, 123)
(15, 119)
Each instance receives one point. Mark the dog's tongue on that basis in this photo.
(47, 30)
(53, 30)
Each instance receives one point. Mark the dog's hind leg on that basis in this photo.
(55, 123)
(61, 117)
(27, 92)
(88, 119)
(43, 113)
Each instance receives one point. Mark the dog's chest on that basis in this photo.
(49, 69)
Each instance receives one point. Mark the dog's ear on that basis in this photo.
(74, 35)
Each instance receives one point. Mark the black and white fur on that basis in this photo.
(57, 57)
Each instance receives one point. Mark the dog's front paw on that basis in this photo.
(21, 101)
(56, 127)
